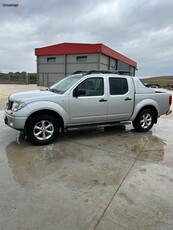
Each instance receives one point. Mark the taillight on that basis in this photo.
(170, 100)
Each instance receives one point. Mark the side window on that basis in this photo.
(51, 59)
(81, 58)
(118, 86)
(92, 86)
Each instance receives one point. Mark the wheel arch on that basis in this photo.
(151, 107)
(49, 112)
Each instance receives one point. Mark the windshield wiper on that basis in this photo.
(56, 91)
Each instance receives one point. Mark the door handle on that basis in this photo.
(127, 99)
(102, 100)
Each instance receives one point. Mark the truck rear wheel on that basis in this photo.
(42, 129)
(144, 120)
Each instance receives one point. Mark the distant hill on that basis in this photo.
(163, 81)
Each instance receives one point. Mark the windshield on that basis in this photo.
(62, 86)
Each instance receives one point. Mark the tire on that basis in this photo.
(144, 121)
(42, 130)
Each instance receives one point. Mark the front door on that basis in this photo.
(91, 105)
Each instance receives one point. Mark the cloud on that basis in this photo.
(141, 30)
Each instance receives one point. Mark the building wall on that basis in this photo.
(81, 62)
(51, 69)
(63, 65)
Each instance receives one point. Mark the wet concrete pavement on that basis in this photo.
(112, 179)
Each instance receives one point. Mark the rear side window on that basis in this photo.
(118, 86)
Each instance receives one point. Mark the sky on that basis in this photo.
(142, 30)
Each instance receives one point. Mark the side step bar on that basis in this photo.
(97, 126)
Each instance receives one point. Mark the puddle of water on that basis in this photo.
(29, 163)
(160, 146)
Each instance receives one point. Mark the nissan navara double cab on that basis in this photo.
(93, 99)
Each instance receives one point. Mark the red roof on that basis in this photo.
(82, 48)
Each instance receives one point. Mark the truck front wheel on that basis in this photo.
(144, 120)
(42, 129)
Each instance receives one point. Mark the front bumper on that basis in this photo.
(14, 122)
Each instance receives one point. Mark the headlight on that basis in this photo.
(17, 105)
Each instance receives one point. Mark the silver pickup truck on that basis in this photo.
(85, 101)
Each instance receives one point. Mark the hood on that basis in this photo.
(34, 95)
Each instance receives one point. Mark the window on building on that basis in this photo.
(118, 86)
(81, 58)
(51, 59)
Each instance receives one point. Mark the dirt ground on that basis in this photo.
(6, 90)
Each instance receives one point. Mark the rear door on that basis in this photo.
(120, 99)
(90, 107)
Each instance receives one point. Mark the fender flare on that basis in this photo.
(144, 104)
(39, 106)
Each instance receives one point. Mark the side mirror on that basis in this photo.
(79, 92)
